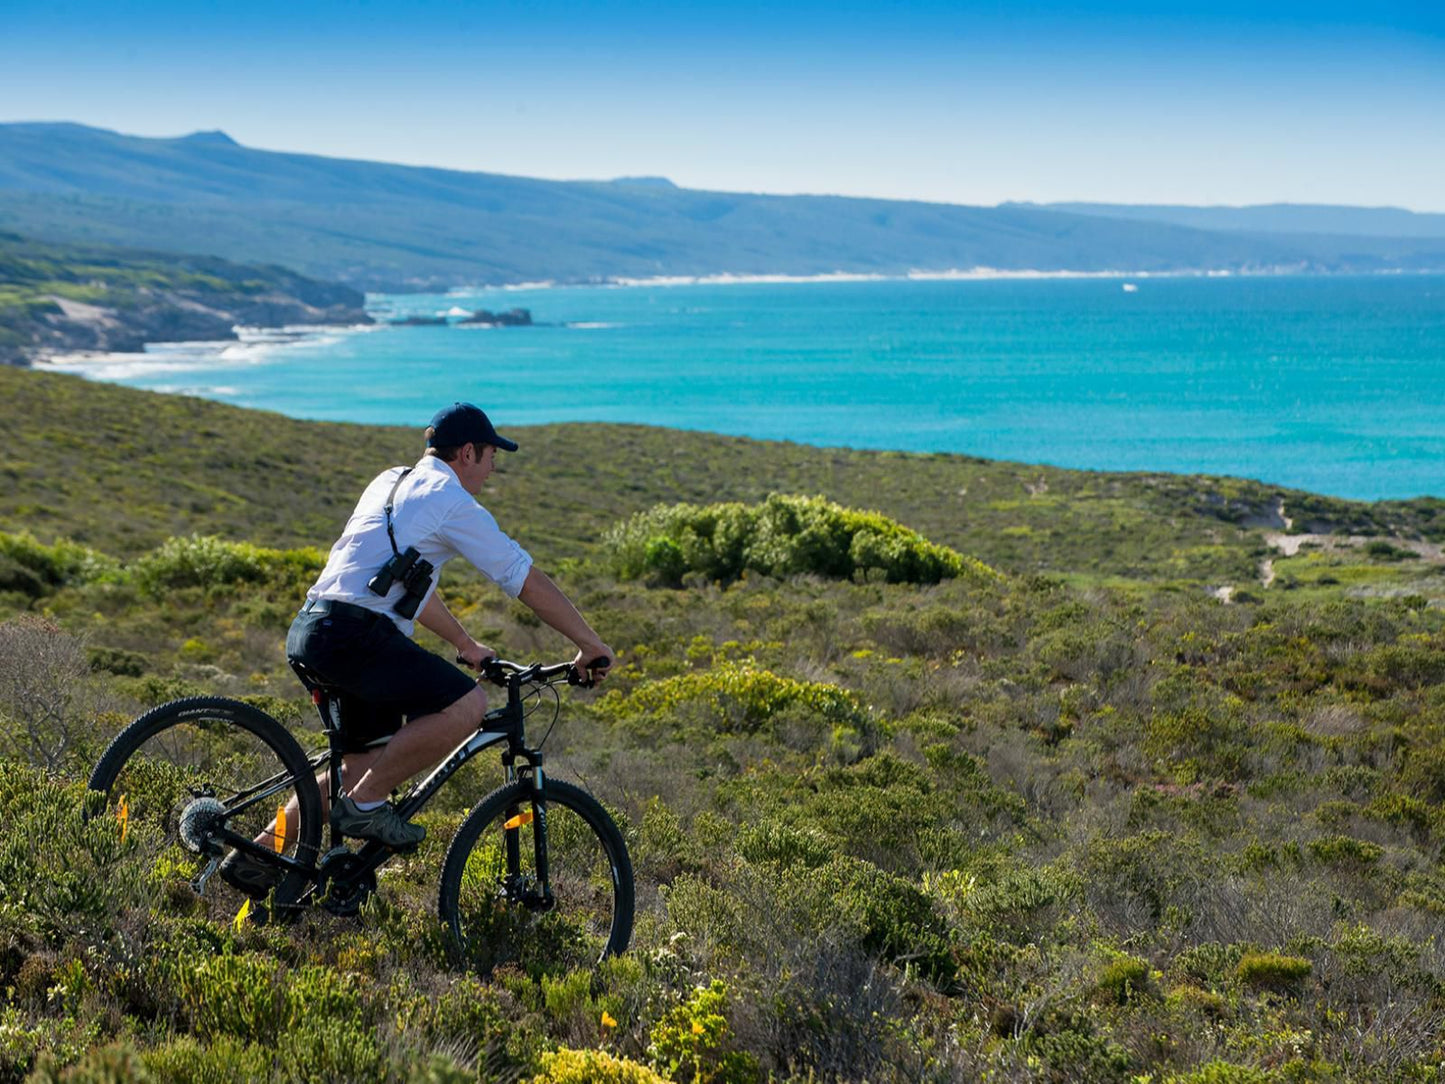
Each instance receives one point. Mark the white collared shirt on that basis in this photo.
(431, 512)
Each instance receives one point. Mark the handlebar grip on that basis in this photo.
(574, 677)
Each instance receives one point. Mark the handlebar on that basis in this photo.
(498, 670)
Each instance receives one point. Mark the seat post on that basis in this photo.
(334, 768)
(328, 706)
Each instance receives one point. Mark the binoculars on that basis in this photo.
(412, 571)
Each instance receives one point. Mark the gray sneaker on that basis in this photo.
(382, 824)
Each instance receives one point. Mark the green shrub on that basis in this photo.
(739, 698)
(690, 1044)
(206, 561)
(239, 996)
(592, 1067)
(783, 536)
(32, 568)
(320, 1049)
(118, 1064)
(1223, 1072)
(184, 1060)
(1345, 852)
(64, 871)
(1192, 999)
(1271, 971)
(786, 845)
(1123, 979)
(1018, 905)
(887, 915)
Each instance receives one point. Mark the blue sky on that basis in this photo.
(967, 103)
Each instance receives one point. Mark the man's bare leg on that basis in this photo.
(418, 745)
(353, 766)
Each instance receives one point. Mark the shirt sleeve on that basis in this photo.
(473, 534)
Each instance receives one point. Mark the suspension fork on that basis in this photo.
(538, 819)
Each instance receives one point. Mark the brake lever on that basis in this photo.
(489, 670)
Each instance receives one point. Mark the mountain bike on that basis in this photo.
(537, 867)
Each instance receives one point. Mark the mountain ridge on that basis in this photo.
(1340, 220)
(391, 227)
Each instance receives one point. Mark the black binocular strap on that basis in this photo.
(390, 500)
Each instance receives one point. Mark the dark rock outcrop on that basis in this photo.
(510, 318)
(419, 321)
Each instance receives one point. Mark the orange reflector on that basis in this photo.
(280, 832)
(122, 816)
(517, 821)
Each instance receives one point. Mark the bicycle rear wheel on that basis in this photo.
(492, 899)
(187, 771)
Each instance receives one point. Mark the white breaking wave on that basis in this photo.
(253, 346)
(729, 279)
(468, 291)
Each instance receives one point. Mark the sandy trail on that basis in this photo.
(1289, 545)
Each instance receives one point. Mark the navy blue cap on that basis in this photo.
(462, 423)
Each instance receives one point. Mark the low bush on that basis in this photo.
(62, 873)
(33, 568)
(691, 1043)
(1271, 971)
(783, 536)
(739, 698)
(592, 1067)
(206, 561)
(1123, 979)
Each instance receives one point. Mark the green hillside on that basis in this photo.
(1154, 795)
(389, 227)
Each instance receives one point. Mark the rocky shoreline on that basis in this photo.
(73, 327)
(57, 300)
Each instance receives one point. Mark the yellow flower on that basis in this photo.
(696, 1028)
(607, 1021)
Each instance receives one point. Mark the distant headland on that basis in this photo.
(57, 299)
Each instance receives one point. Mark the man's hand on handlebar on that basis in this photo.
(593, 661)
(474, 654)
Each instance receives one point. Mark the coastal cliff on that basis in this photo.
(57, 299)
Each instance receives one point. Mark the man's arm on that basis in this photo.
(436, 617)
(547, 601)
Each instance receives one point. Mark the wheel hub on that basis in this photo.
(200, 821)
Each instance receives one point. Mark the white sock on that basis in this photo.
(367, 807)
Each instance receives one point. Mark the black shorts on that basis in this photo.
(386, 678)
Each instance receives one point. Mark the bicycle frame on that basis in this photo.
(505, 724)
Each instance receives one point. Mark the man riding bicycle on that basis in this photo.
(402, 708)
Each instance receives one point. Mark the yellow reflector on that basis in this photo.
(243, 914)
(280, 832)
(517, 821)
(122, 816)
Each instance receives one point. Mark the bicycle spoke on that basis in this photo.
(177, 788)
(503, 912)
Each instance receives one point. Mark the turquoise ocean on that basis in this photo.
(1331, 384)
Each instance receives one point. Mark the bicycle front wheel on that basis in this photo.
(187, 774)
(547, 884)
